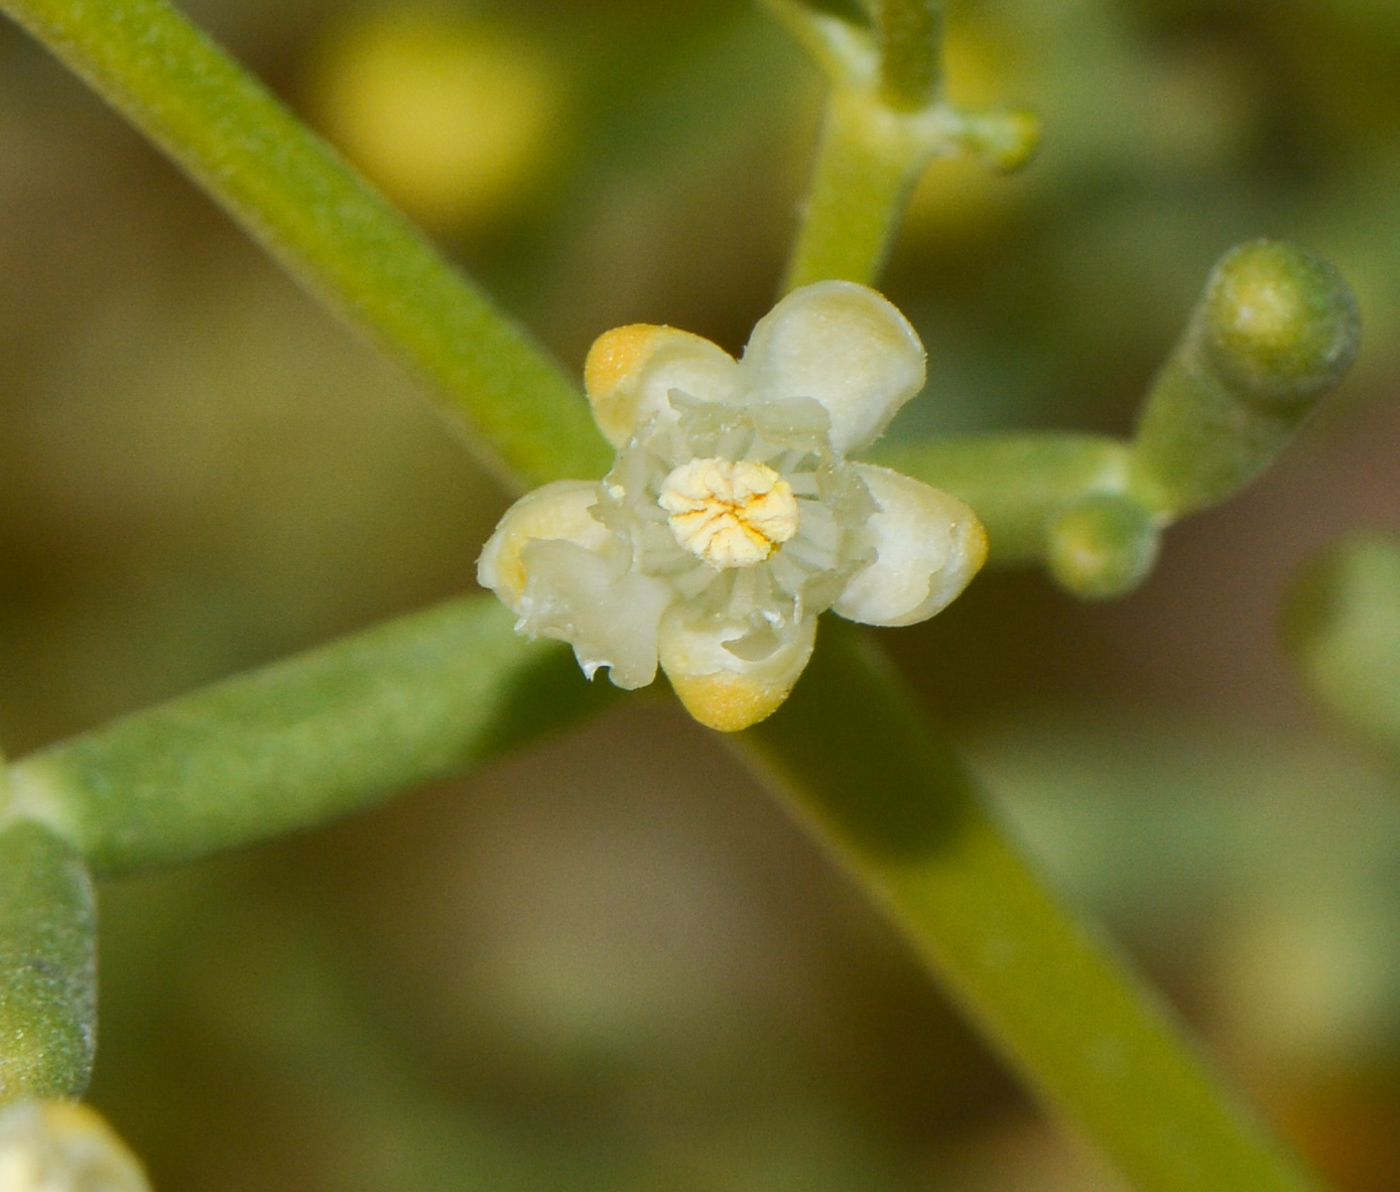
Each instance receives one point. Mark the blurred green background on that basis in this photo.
(613, 964)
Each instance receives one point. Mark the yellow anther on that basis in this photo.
(729, 514)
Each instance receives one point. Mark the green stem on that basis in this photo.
(48, 990)
(884, 122)
(305, 740)
(879, 787)
(1016, 482)
(868, 160)
(911, 51)
(327, 227)
(1060, 499)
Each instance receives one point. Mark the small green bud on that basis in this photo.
(1004, 138)
(1275, 329)
(1102, 547)
(911, 43)
(1280, 324)
(63, 1146)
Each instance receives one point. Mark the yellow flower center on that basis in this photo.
(729, 514)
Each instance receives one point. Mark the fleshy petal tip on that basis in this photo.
(728, 702)
(631, 370)
(615, 356)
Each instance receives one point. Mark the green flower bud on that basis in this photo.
(1004, 138)
(1102, 547)
(1280, 325)
(1275, 329)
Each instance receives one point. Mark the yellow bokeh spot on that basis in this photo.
(451, 121)
(976, 69)
(955, 198)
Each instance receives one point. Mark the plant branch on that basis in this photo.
(868, 159)
(878, 786)
(911, 51)
(1275, 330)
(884, 122)
(48, 964)
(1017, 482)
(305, 740)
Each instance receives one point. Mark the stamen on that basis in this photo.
(729, 514)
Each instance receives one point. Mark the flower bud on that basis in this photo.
(1280, 325)
(1275, 329)
(1102, 547)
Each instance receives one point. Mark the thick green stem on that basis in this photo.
(879, 787)
(327, 227)
(306, 740)
(48, 973)
(867, 162)
(911, 51)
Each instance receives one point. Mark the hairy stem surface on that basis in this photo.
(48, 965)
(304, 741)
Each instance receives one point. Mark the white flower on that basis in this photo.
(63, 1146)
(731, 517)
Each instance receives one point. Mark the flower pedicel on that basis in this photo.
(731, 517)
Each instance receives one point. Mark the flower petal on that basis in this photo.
(558, 510)
(567, 576)
(630, 372)
(721, 690)
(928, 547)
(56, 1144)
(844, 345)
(592, 600)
